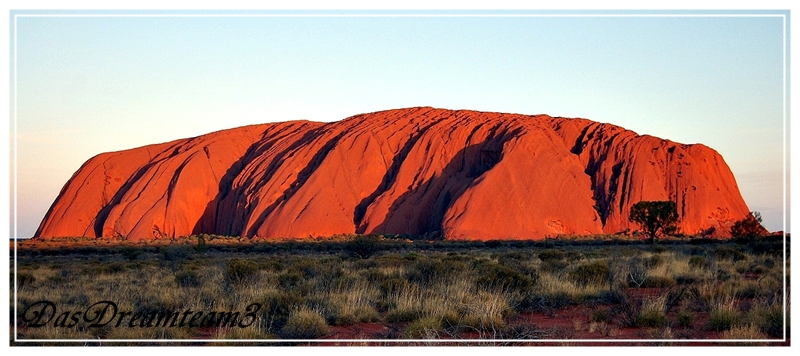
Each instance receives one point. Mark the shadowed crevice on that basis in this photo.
(389, 177)
(432, 198)
(215, 220)
(105, 211)
(302, 176)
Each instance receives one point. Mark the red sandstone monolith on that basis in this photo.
(417, 171)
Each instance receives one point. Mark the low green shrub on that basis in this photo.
(363, 246)
(658, 249)
(698, 262)
(277, 308)
(174, 253)
(201, 244)
(493, 243)
(427, 272)
(130, 252)
(554, 266)
(727, 253)
(591, 273)
(392, 285)
(290, 279)
(187, 278)
(238, 271)
(552, 255)
(411, 256)
(493, 277)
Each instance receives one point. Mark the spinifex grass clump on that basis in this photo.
(652, 314)
(723, 316)
(685, 319)
(427, 327)
(304, 324)
(768, 318)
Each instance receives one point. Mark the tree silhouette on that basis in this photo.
(749, 227)
(655, 217)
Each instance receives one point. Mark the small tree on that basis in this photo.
(363, 246)
(655, 217)
(749, 227)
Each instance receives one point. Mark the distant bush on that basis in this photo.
(187, 278)
(239, 271)
(591, 273)
(278, 306)
(493, 243)
(426, 272)
(654, 261)
(550, 255)
(174, 254)
(658, 249)
(130, 252)
(363, 246)
(553, 260)
(289, 279)
(201, 244)
(391, 286)
(494, 276)
(96, 269)
(411, 256)
(698, 262)
(749, 227)
(727, 253)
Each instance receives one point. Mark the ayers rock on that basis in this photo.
(465, 174)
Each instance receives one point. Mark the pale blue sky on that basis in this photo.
(87, 85)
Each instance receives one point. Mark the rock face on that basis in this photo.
(465, 174)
